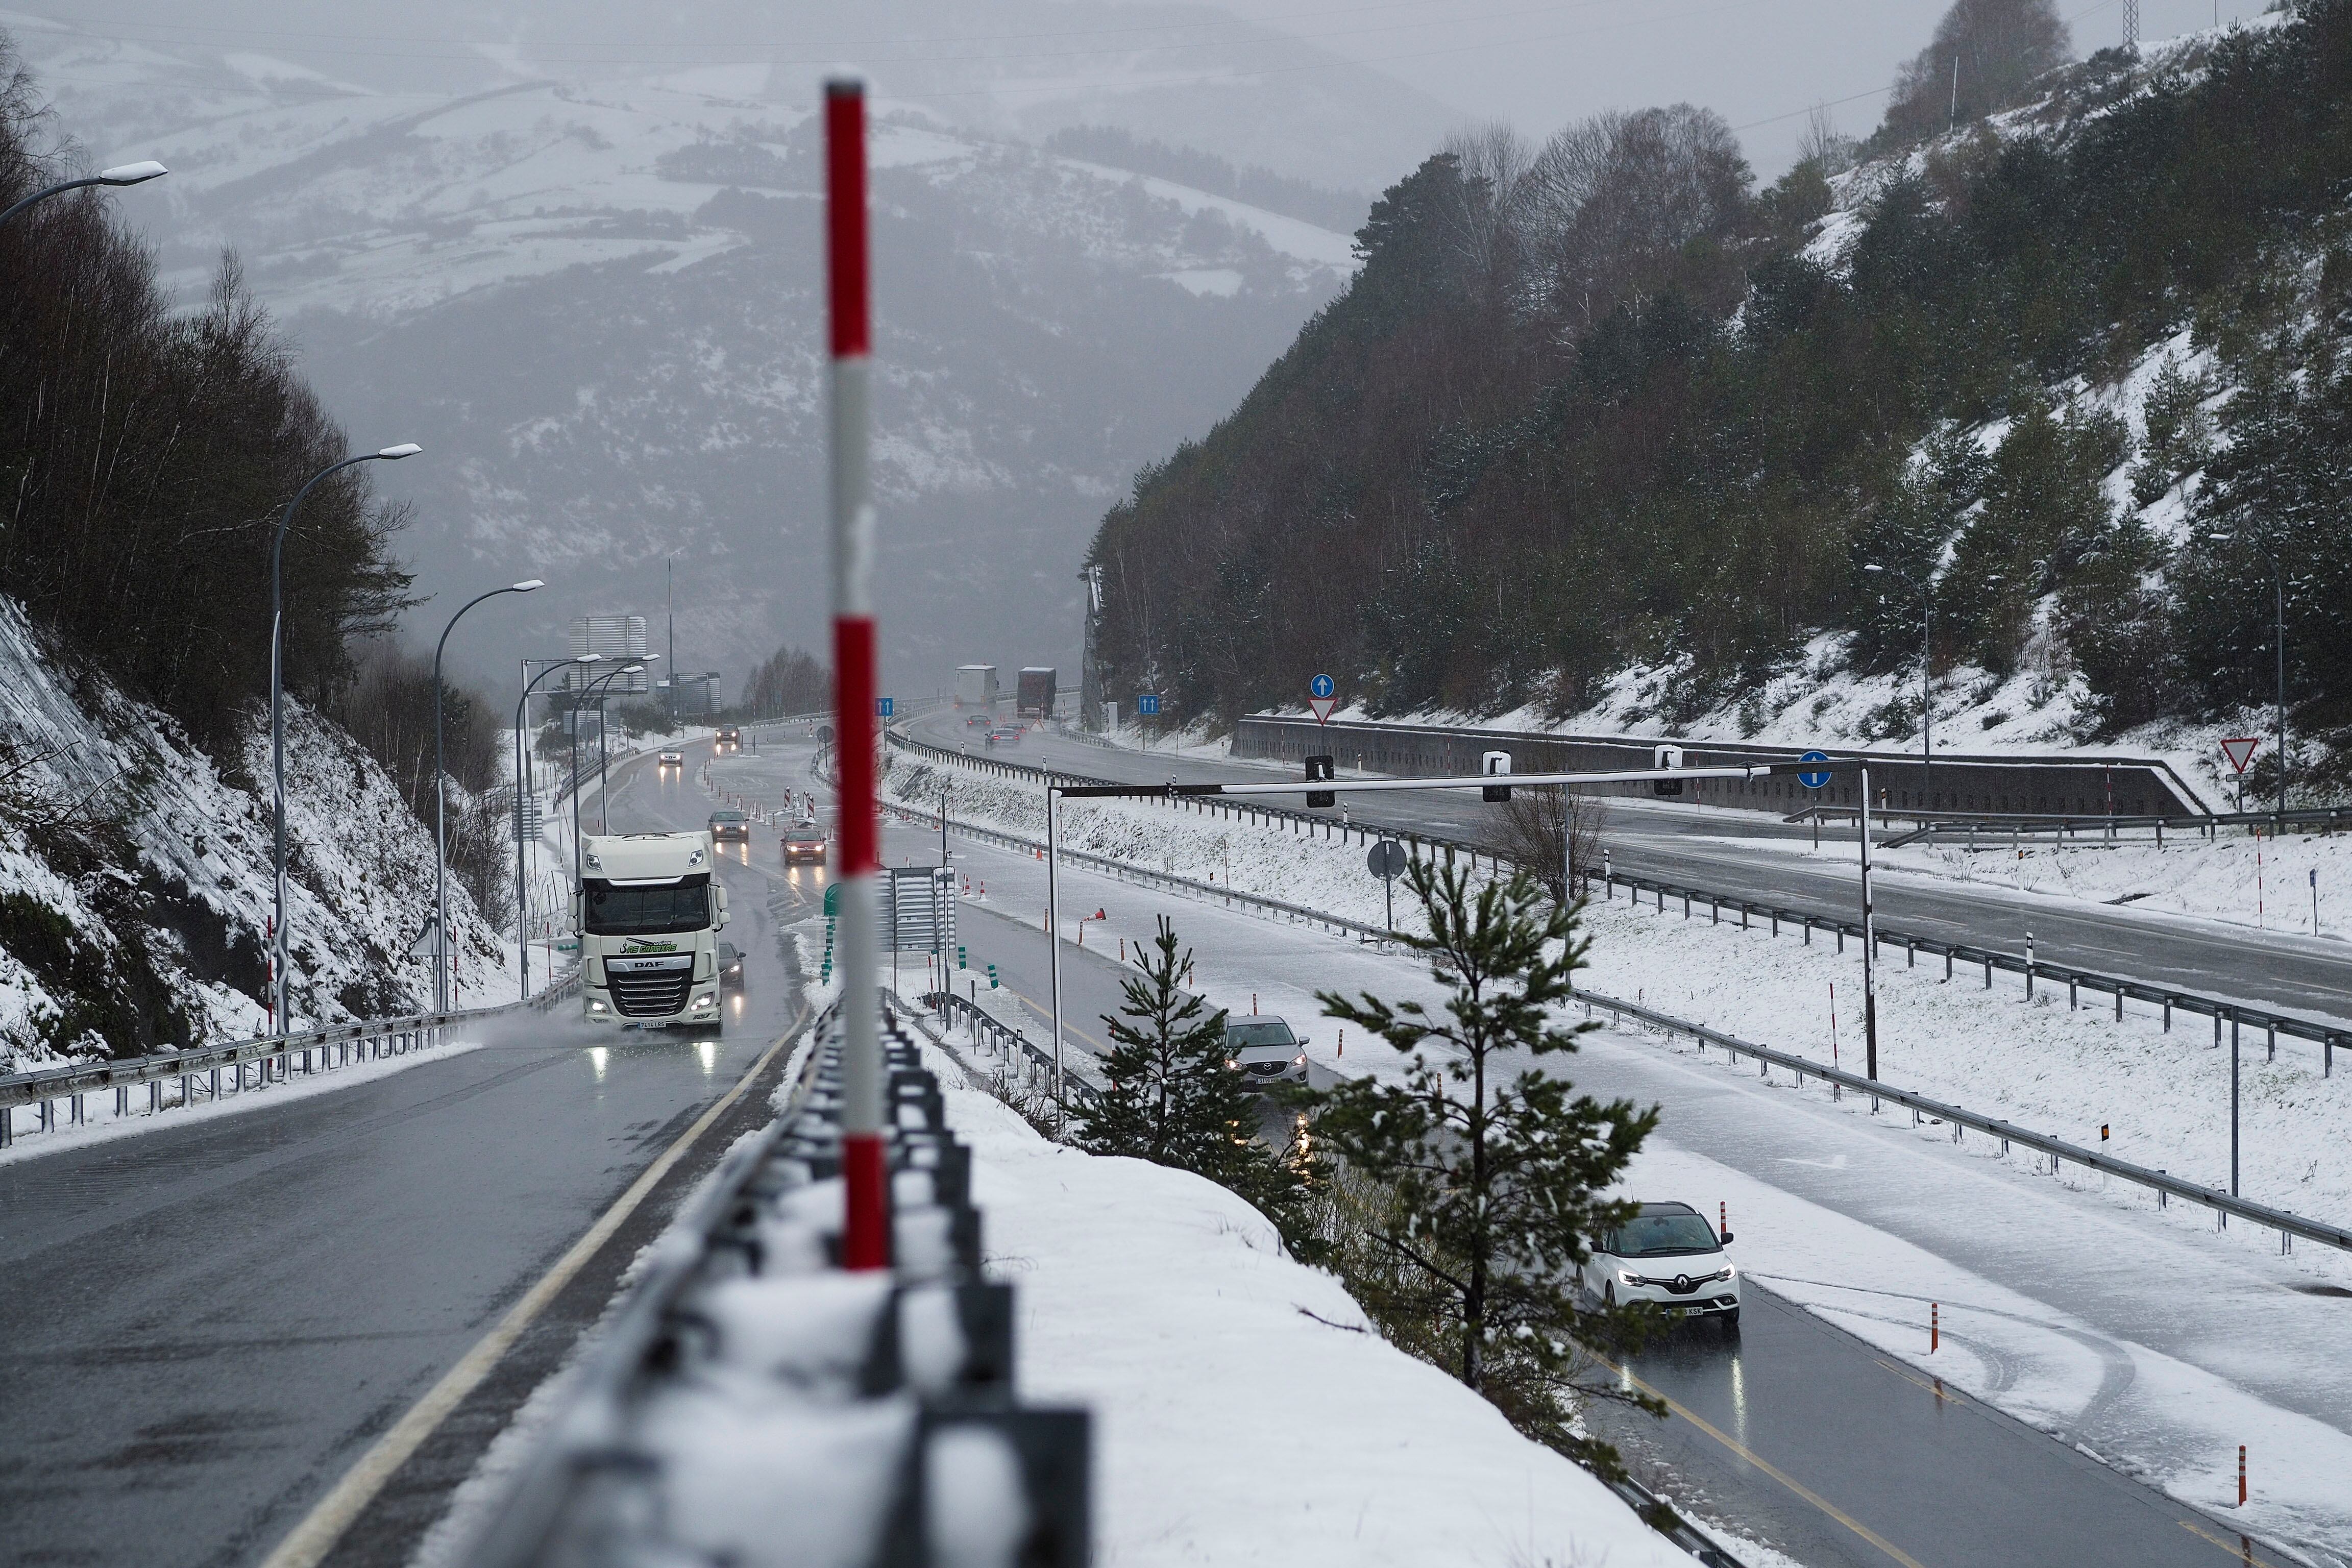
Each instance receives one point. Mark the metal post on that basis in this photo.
(1869, 943)
(865, 1230)
(2233, 1106)
(1054, 943)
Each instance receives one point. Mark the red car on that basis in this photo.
(805, 842)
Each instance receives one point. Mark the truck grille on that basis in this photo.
(650, 992)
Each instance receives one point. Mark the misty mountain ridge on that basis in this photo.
(595, 302)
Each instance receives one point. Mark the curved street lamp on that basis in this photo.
(635, 666)
(284, 985)
(120, 175)
(441, 803)
(523, 884)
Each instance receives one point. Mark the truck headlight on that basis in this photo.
(706, 999)
(595, 1006)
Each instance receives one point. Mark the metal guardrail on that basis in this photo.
(278, 1058)
(2326, 1037)
(2287, 1223)
(2017, 824)
(1009, 1041)
(1960, 1119)
(872, 1371)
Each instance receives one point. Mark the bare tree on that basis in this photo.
(1554, 833)
(1984, 58)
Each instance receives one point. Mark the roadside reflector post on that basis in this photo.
(2241, 1474)
(866, 1220)
(1723, 1220)
(1935, 1326)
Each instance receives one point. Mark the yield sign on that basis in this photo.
(2240, 750)
(1322, 707)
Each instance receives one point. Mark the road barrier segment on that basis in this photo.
(276, 1059)
(895, 1386)
(2287, 1223)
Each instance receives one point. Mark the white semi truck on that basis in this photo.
(648, 913)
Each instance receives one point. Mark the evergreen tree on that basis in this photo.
(1171, 1096)
(1496, 1176)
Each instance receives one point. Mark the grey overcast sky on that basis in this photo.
(1762, 64)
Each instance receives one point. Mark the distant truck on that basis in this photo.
(976, 685)
(1036, 693)
(648, 914)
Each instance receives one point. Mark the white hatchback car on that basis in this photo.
(1670, 1257)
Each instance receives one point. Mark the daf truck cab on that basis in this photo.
(648, 913)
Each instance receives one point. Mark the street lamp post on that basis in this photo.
(522, 887)
(635, 666)
(120, 175)
(441, 803)
(282, 987)
(2278, 585)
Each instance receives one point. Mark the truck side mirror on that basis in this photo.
(719, 892)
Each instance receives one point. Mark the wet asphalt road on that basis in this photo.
(203, 1325)
(1756, 857)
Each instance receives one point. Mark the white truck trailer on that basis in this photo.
(976, 686)
(648, 913)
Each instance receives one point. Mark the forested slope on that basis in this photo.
(2079, 365)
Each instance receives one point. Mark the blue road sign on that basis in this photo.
(1147, 705)
(1322, 685)
(883, 706)
(1816, 777)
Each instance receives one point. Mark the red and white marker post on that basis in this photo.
(866, 1227)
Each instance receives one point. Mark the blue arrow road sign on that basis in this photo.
(1816, 777)
(1147, 705)
(1322, 685)
(883, 706)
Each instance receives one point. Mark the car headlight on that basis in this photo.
(1299, 1061)
(1729, 1272)
(1627, 1277)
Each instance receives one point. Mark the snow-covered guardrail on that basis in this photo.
(1005, 1040)
(2280, 1220)
(753, 1401)
(2326, 1037)
(272, 1059)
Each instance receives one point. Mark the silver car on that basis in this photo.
(1669, 1256)
(1263, 1051)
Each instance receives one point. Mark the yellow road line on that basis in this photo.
(2243, 1549)
(324, 1525)
(1786, 1480)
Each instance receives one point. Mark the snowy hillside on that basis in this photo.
(589, 287)
(135, 879)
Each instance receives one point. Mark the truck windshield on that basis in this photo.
(680, 906)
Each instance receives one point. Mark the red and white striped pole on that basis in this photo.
(866, 1227)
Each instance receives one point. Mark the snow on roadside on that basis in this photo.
(2163, 1097)
(1244, 1411)
(2263, 881)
